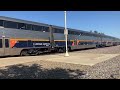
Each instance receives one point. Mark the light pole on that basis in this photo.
(66, 33)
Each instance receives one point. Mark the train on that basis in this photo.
(23, 37)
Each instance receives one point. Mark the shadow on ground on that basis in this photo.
(37, 72)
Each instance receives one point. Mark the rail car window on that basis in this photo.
(81, 43)
(37, 28)
(1, 23)
(61, 30)
(72, 32)
(87, 34)
(45, 29)
(28, 27)
(69, 32)
(77, 33)
(90, 43)
(84, 34)
(6, 43)
(0, 43)
(56, 30)
(21, 26)
(33, 27)
(10, 24)
(85, 43)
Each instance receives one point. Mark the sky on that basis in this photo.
(107, 22)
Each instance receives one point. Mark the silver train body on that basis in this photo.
(21, 37)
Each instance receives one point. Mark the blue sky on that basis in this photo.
(107, 22)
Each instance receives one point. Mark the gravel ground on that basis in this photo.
(109, 69)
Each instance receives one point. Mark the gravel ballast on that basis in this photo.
(109, 69)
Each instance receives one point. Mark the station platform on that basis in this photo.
(74, 58)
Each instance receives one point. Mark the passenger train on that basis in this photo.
(22, 37)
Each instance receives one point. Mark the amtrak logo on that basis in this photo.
(43, 44)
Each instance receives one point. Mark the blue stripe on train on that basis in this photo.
(23, 44)
(62, 43)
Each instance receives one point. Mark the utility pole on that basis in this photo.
(66, 33)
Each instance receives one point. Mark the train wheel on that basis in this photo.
(60, 50)
(24, 53)
(69, 49)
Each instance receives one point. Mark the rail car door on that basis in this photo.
(1, 47)
(75, 42)
(6, 46)
(52, 43)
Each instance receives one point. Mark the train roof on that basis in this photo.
(22, 21)
(38, 23)
(82, 31)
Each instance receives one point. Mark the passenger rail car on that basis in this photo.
(21, 37)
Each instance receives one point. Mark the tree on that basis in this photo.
(95, 32)
(90, 31)
(102, 33)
